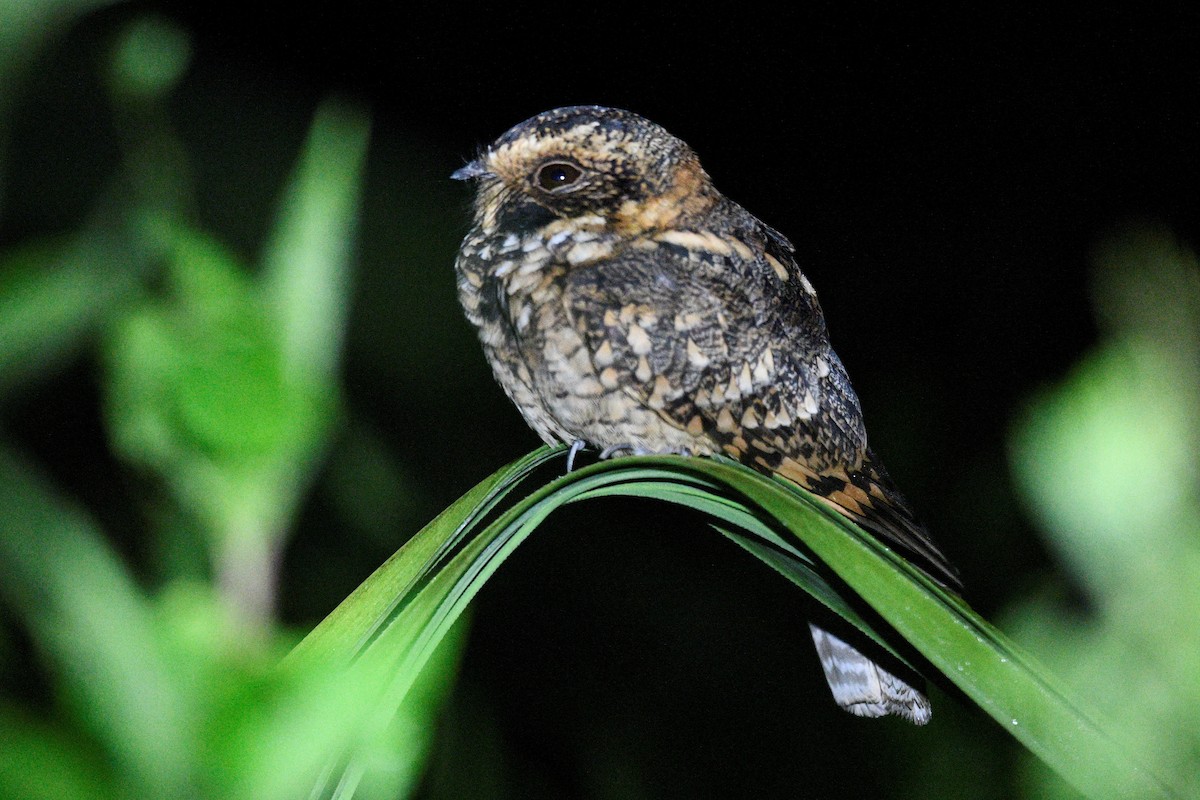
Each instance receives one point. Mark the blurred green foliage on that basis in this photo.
(1110, 463)
(220, 387)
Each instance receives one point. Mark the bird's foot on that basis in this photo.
(576, 446)
(616, 450)
(626, 449)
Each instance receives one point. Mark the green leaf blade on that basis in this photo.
(745, 505)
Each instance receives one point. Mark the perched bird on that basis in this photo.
(626, 304)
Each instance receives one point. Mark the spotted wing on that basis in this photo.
(730, 349)
(691, 338)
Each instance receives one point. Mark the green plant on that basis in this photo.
(1108, 461)
(395, 620)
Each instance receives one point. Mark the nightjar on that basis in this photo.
(624, 303)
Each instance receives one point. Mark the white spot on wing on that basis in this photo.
(810, 405)
(523, 317)
(639, 340)
(745, 380)
(587, 251)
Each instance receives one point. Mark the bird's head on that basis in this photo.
(602, 167)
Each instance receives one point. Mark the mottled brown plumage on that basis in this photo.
(624, 302)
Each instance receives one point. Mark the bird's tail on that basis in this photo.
(868, 497)
(864, 688)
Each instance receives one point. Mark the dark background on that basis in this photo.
(945, 178)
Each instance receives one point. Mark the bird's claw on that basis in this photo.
(576, 446)
(619, 449)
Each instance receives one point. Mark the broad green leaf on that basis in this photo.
(397, 617)
(343, 634)
(307, 261)
(197, 394)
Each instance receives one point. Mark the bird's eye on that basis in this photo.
(557, 175)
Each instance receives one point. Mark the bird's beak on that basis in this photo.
(474, 169)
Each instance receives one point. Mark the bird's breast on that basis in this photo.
(511, 287)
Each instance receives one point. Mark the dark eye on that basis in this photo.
(557, 175)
